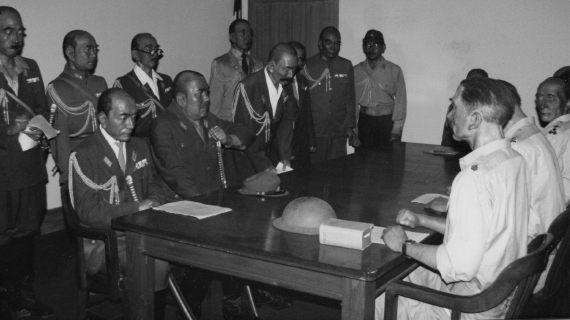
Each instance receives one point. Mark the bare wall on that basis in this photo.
(437, 42)
(191, 32)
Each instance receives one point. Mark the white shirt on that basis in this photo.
(274, 93)
(558, 134)
(545, 181)
(486, 226)
(113, 143)
(145, 79)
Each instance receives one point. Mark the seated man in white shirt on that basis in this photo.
(486, 225)
(552, 103)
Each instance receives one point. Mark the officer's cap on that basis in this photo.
(373, 35)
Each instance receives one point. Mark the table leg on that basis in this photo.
(212, 306)
(358, 300)
(140, 279)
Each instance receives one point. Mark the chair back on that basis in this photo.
(72, 222)
(557, 277)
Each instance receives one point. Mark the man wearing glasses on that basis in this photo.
(229, 69)
(152, 90)
(380, 95)
(73, 96)
(331, 81)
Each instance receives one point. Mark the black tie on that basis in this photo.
(244, 63)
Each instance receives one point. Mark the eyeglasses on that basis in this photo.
(330, 43)
(155, 51)
(372, 45)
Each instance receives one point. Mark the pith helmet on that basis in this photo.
(304, 215)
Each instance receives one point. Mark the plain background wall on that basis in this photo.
(436, 43)
(191, 33)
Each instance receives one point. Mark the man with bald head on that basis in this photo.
(264, 101)
(552, 105)
(230, 68)
(152, 90)
(73, 97)
(333, 100)
(102, 166)
(184, 138)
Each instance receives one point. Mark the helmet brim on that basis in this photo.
(280, 224)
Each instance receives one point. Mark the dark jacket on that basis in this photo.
(19, 169)
(187, 164)
(304, 130)
(137, 90)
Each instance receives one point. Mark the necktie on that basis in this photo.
(244, 65)
(121, 156)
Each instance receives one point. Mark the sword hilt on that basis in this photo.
(221, 163)
(131, 186)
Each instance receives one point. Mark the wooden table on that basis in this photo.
(369, 187)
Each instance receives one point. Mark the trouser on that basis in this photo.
(374, 131)
(23, 209)
(329, 148)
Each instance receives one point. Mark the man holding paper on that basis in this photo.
(486, 225)
(23, 173)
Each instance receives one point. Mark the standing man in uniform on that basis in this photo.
(152, 90)
(23, 174)
(229, 69)
(73, 96)
(331, 80)
(380, 95)
(264, 101)
(552, 101)
(304, 142)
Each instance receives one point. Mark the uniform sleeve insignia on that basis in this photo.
(141, 164)
(134, 156)
(167, 89)
(183, 126)
(553, 130)
(108, 162)
(33, 80)
(474, 167)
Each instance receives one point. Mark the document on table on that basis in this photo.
(377, 235)
(193, 209)
(280, 170)
(443, 151)
(426, 198)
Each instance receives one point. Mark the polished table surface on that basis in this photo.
(369, 187)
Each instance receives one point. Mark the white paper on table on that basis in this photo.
(377, 235)
(193, 209)
(26, 142)
(280, 170)
(428, 197)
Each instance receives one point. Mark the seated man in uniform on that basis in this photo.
(483, 233)
(152, 90)
(184, 139)
(73, 97)
(552, 101)
(100, 170)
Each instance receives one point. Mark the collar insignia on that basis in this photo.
(134, 156)
(167, 89)
(553, 130)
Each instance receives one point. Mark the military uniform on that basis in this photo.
(381, 95)
(147, 108)
(225, 75)
(75, 95)
(23, 174)
(332, 103)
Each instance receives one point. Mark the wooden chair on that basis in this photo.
(521, 276)
(547, 302)
(108, 283)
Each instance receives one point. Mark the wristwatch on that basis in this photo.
(405, 246)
